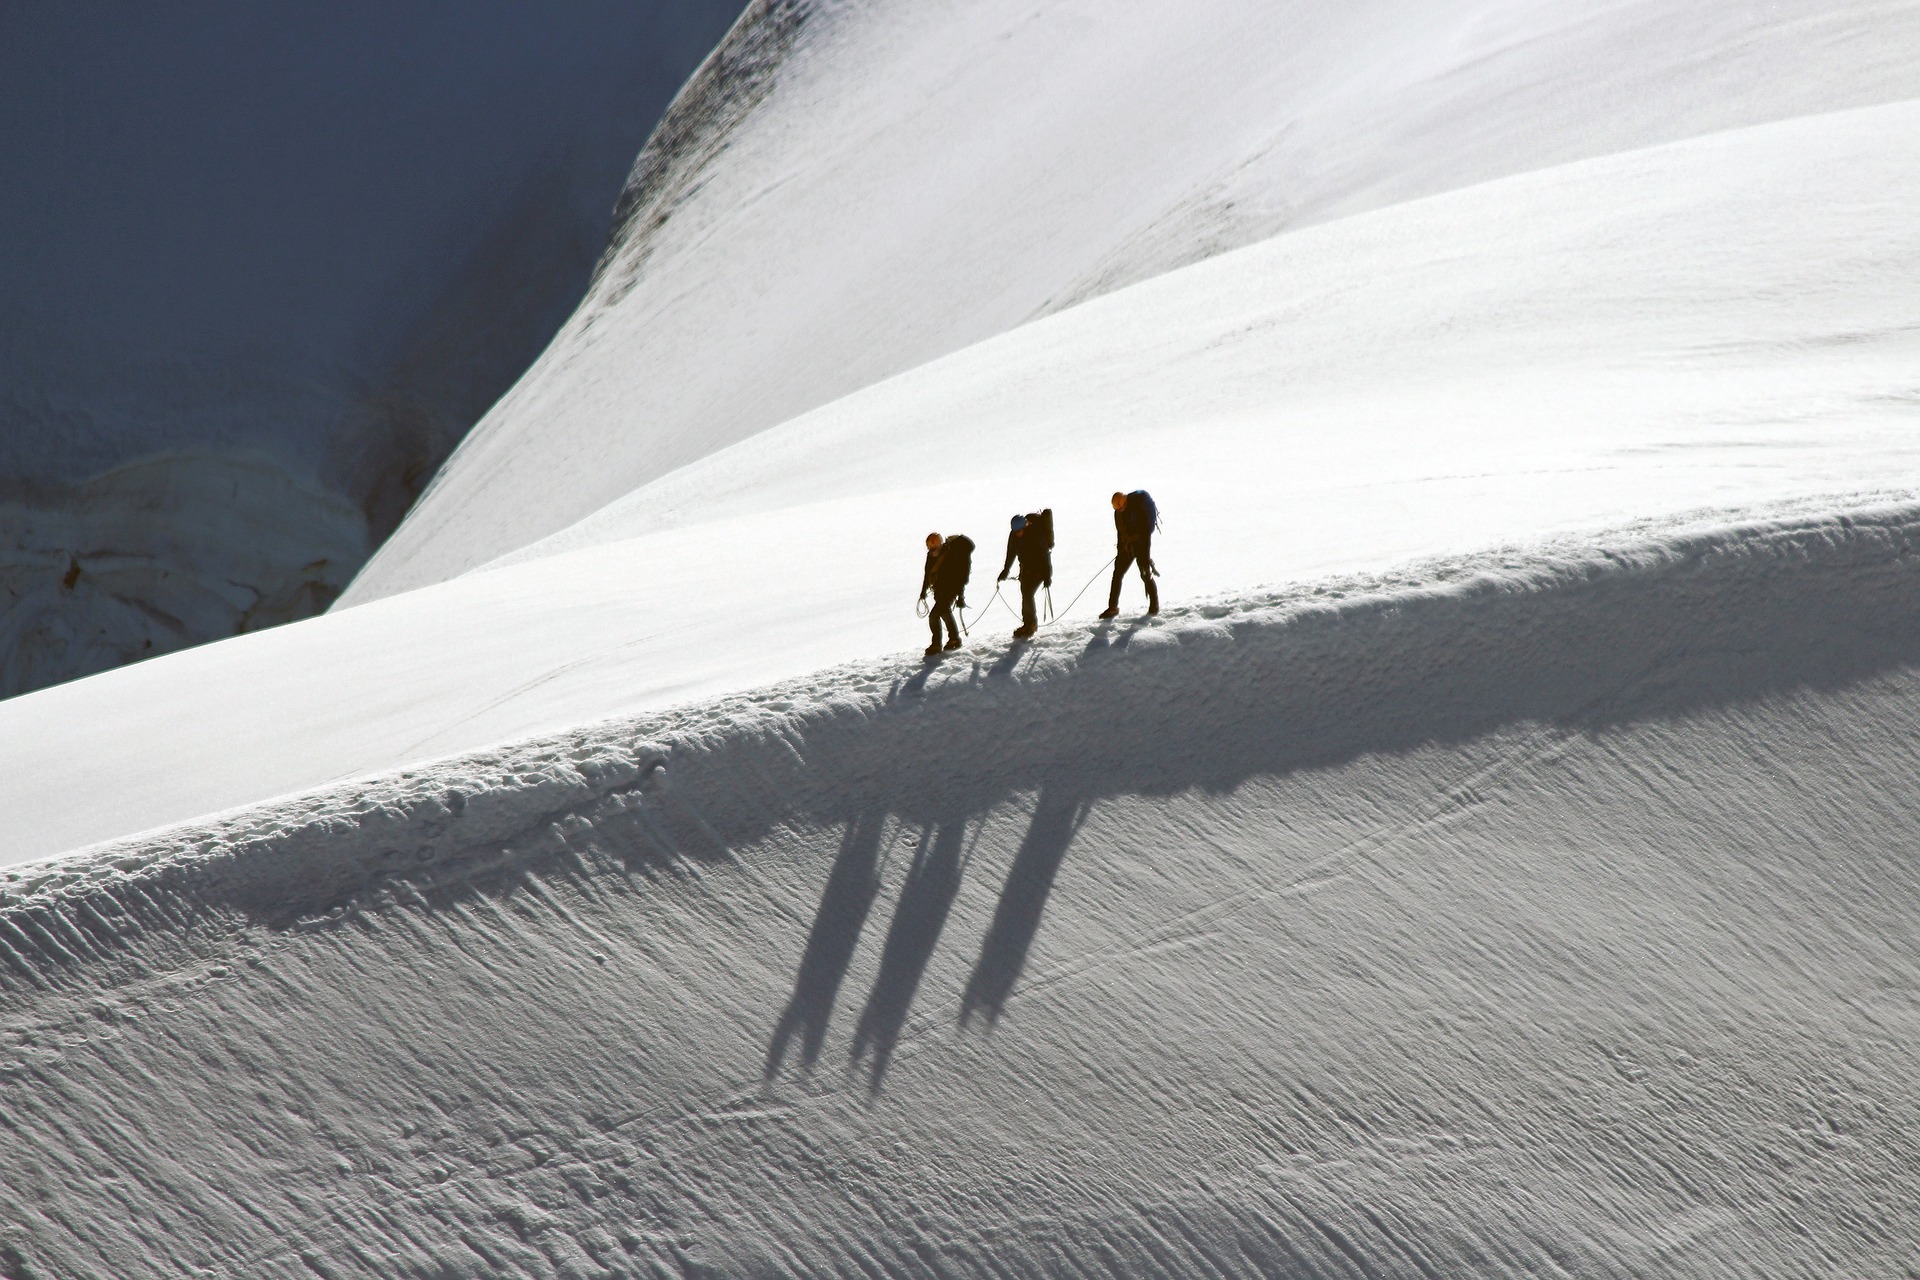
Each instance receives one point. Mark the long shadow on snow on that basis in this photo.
(1016, 917)
(852, 885)
(932, 883)
(1651, 632)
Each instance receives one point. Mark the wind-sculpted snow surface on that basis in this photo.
(848, 191)
(1506, 916)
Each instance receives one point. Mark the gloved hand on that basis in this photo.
(961, 603)
(1002, 577)
(1048, 584)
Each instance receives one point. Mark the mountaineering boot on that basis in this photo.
(1022, 632)
(1112, 611)
(933, 650)
(1153, 597)
(951, 644)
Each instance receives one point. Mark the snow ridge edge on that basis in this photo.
(1575, 638)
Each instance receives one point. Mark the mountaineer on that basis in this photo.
(1134, 520)
(949, 565)
(1031, 541)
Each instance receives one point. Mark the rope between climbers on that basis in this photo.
(1053, 617)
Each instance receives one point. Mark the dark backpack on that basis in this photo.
(1142, 514)
(1041, 523)
(956, 561)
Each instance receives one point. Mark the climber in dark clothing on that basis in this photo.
(1134, 520)
(1031, 541)
(949, 565)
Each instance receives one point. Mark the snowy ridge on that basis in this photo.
(1082, 684)
(723, 90)
(1489, 848)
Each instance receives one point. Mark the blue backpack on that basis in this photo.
(1145, 515)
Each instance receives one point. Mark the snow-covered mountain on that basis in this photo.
(1720, 323)
(853, 190)
(1542, 916)
(265, 265)
(1494, 861)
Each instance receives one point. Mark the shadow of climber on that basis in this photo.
(851, 887)
(933, 881)
(1016, 919)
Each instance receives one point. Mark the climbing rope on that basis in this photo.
(1053, 617)
(1083, 590)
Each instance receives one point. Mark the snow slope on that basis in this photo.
(1722, 323)
(852, 190)
(1523, 916)
(277, 259)
(1518, 884)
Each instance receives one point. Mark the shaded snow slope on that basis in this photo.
(154, 555)
(282, 256)
(1721, 323)
(849, 191)
(1510, 918)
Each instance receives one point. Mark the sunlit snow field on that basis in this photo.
(1494, 860)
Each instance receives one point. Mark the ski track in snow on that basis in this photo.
(1530, 913)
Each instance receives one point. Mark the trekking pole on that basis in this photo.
(1049, 602)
